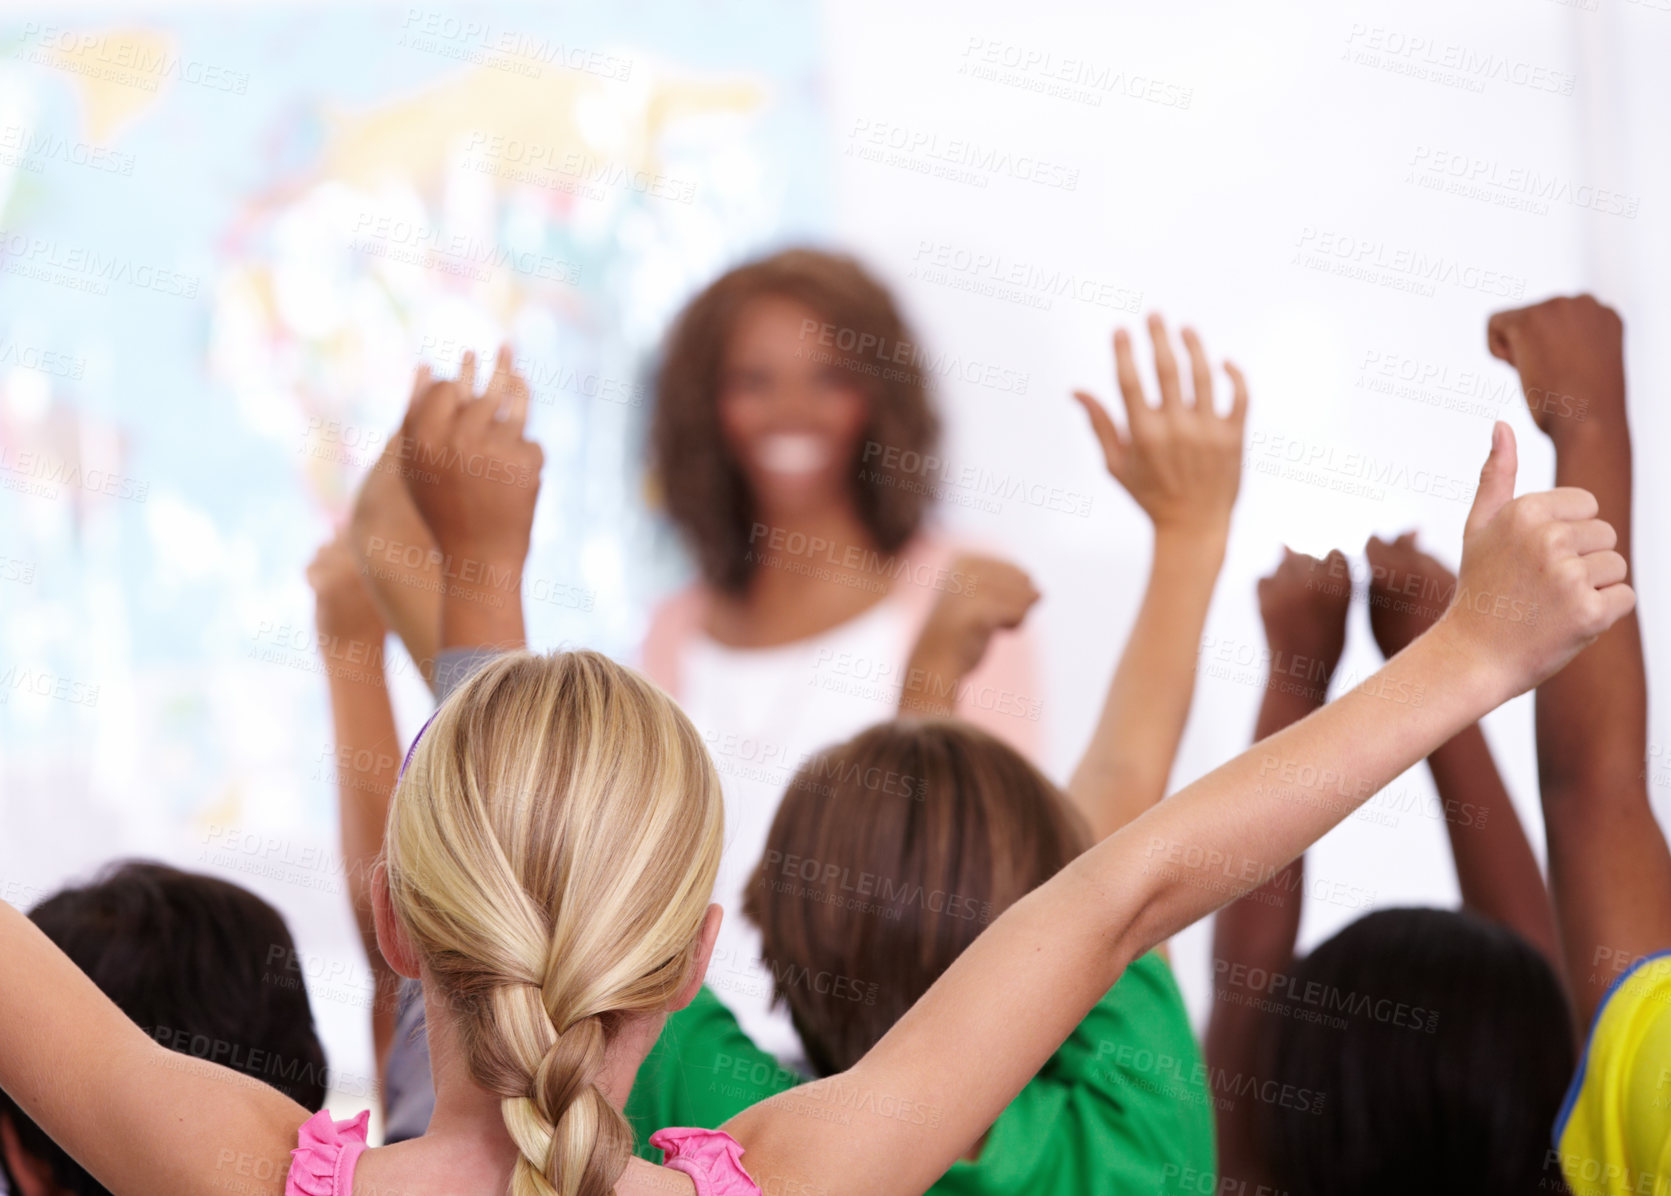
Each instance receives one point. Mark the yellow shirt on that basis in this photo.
(1614, 1131)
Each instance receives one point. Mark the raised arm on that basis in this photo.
(398, 556)
(368, 749)
(1303, 605)
(1609, 868)
(144, 1119)
(997, 1014)
(992, 596)
(108, 1094)
(141, 1118)
(476, 496)
(1495, 867)
(446, 597)
(1182, 463)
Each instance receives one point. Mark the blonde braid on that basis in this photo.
(573, 1142)
(552, 850)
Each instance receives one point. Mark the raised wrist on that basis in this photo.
(930, 685)
(486, 616)
(1464, 665)
(1588, 411)
(1203, 545)
(929, 667)
(480, 552)
(1605, 431)
(363, 639)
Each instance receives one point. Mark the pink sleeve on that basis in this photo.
(676, 620)
(323, 1162)
(1002, 696)
(712, 1158)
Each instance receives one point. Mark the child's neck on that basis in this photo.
(466, 1110)
(467, 1149)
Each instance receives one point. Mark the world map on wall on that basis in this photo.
(226, 240)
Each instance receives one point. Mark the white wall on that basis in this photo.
(1288, 137)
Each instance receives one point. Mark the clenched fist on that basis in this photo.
(342, 602)
(994, 595)
(1569, 353)
(1303, 604)
(1408, 591)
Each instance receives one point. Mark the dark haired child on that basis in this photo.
(1427, 1045)
(203, 966)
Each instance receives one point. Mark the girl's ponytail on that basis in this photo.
(551, 851)
(573, 1141)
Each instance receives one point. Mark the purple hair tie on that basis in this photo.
(415, 739)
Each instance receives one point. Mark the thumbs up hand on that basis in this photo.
(1539, 578)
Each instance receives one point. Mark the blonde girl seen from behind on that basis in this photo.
(551, 852)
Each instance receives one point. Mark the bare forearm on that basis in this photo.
(1254, 938)
(1210, 843)
(398, 557)
(930, 686)
(1253, 943)
(484, 616)
(1259, 931)
(1201, 848)
(1126, 766)
(98, 1084)
(1495, 867)
(1609, 868)
(1253, 947)
(1592, 723)
(368, 758)
(368, 754)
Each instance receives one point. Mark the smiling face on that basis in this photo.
(749, 427)
(791, 421)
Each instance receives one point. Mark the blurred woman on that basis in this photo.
(793, 440)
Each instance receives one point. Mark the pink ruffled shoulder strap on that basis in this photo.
(712, 1158)
(323, 1162)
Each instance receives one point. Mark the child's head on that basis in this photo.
(205, 967)
(890, 853)
(789, 385)
(551, 852)
(1448, 1073)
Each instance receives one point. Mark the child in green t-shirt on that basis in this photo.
(891, 852)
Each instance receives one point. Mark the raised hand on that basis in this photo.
(1182, 463)
(351, 628)
(1609, 868)
(993, 595)
(474, 478)
(1180, 460)
(1539, 578)
(342, 602)
(1408, 591)
(1303, 604)
(1569, 353)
